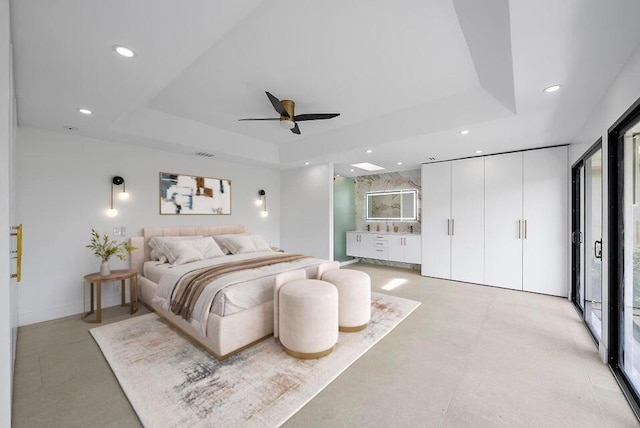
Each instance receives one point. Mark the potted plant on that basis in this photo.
(104, 248)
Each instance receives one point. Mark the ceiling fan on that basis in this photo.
(288, 118)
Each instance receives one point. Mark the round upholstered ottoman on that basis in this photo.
(308, 318)
(354, 297)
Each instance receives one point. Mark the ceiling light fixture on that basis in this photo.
(478, 152)
(124, 51)
(287, 124)
(306, 163)
(352, 170)
(552, 88)
(399, 163)
(85, 111)
(369, 151)
(367, 166)
(464, 132)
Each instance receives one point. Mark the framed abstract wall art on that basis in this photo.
(190, 194)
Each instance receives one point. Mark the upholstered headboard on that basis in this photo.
(143, 252)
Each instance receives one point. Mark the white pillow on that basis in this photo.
(157, 249)
(207, 247)
(180, 252)
(186, 251)
(260, 243)
(239, 244)
(221, 238)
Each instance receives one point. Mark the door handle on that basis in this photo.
(525, 229)
(519, 229)
(453, 226)
(448, 227)
(597, 249)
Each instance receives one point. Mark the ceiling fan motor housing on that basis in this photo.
(289, 107)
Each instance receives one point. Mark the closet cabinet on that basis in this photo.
(526, 229)
(498, 220)
(453, 220)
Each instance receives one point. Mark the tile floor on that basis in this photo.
(469, 356)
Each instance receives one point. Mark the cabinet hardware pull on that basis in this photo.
(379, 251)
(519, 229)
(525, 229)
(448, 227)
(453, 226)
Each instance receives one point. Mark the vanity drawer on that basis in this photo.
(381, 253)
(380, 241)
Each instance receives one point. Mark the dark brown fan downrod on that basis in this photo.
(286, 110)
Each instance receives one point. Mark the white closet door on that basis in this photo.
(467, 220)
(436, 209)
(503, 217)
(545, 214)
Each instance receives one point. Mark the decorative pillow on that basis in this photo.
(239, 244)
(184, 251)
(260, 243)
(157, 249)
(180, 252)
(221, 238)
(207, 247)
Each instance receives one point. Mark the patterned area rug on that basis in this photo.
(170, 382)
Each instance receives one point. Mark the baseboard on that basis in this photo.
(349, 262)
(48, 314)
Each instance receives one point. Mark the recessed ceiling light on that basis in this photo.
(124, 51)
(368, 166)
(306, 163)
(552, 88)
(85, 111)
(351, 170)
(464, 132)
(369, 151)
(399, 163)
(337, 175)
(478, 152)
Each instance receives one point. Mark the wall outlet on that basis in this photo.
(116, 231)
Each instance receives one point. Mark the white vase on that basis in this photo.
(104, 268)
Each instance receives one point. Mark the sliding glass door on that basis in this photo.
(587, 238)
(624, 252)
(630, 316)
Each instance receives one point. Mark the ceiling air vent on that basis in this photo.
(204, 154)
(432, 159)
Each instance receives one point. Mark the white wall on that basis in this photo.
(307, 210)
(623, 92)
(63, 188)
(6, 285)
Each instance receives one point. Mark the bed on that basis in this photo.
(240, 313)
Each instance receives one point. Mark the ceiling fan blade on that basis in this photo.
(295, 129)
(261, 118)
(277, 105)
(315, 116)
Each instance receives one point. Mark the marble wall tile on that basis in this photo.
(403, 180)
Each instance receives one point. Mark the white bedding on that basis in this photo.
(237, 291)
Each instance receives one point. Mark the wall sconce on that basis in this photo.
(262, 201)
(117, 180)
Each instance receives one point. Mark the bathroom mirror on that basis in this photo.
(396, 205)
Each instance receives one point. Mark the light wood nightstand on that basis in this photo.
(95, 279)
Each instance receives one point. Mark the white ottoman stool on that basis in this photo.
(354, 297)
(308, 318)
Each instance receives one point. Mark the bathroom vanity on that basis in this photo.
(390, 246)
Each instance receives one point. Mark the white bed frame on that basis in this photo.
(225, 335)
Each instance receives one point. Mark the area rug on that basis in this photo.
(171, 382)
